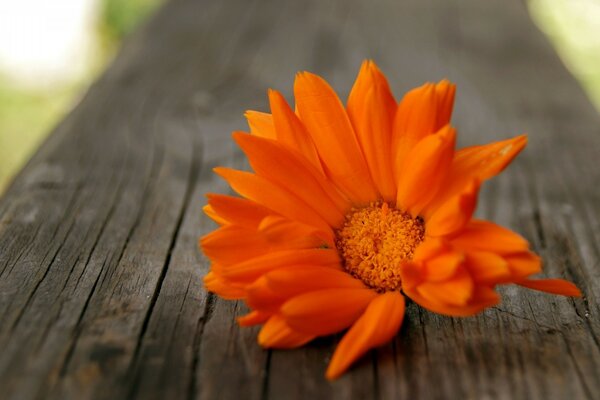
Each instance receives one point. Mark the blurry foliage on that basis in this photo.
(27, 116)
(119, 17)
(574, 28)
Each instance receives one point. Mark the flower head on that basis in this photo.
(351, 209)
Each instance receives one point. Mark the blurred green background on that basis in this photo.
(28, 111)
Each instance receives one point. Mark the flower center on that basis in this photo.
(375, 240)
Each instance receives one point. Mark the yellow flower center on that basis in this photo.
(375, 240)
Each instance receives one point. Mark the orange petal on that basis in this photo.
(249, 270)
(486, 161)
(379, 323)
(326, 311)
(272, 196)
(430, 248)
(284, 233)
(444, 96)
(236, 210)
(261, 124)
(231, 244)
(554, 286)
(424, 170)
(277, 334)
(521, 265)
(455, 291)
(422, 112)
(329, 126)
(482, 298)
(371, 108)
(283, 167)
(261, 297)
(480, 163)
(290, 130)
(487, 267)
(208, 210)
(412, 274)
(253, 318)
(222, 287)
(487, 236)
(455, 213)
(443, 266)
(294, 281)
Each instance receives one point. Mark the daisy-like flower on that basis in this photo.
(351, 209)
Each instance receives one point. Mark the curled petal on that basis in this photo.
(486, 267)
(455, 213)
(487, 236)
(482, 298)
(455, 291)
(521, 265)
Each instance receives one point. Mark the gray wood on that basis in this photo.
(100, 275)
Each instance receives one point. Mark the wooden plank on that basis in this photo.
(100, 277)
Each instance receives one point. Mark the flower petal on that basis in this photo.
(455, 213)
(237, 210)
(479, 163)
(290, 130)
(231, 244)
(371, 108)
(327, 123)
(287, 234)
(482, 298)
(379, 323)
(283, 167)
(443, 266)
(424, 170)
(455, 291)
(208, 210)
(487, 236)
(326, 311)
(260, 296)
(253, 318)
(422, 112)
(227, 290)
(261, 124)
(272, 196)
(277, 334)
(554, 286)
(521, 265)
(251, 269)
(486, 267)
(294, 281)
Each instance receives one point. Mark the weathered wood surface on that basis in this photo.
(100, 276)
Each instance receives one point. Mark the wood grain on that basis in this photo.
(100, 275)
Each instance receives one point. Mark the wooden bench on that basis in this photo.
(101, 291)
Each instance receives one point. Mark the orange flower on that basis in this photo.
(351, 209)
